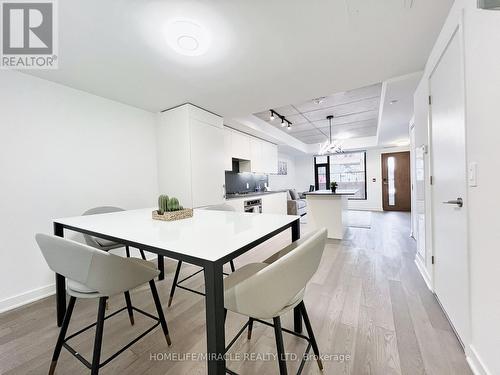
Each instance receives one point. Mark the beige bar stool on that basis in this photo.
(269, 290)
(101, 243)
(178, 283)
(93, 273)
(106, 245)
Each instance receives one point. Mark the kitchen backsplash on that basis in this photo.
(237, 182)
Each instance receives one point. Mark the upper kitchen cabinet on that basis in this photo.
(190, 158)
(228, 151)
(270, 157)
(240, 145)
(262, 155)
(256, 155)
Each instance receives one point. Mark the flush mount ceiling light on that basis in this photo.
(489, 4)
(319, 100)
(187, 37)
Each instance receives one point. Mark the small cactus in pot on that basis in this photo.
(169, 209)
(173, 204)
(162, 204)
(166, 204)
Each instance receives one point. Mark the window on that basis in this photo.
(347, 169)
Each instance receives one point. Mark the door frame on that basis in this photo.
(413, 179)
(383, 157)
(316, 166)
(457, 30)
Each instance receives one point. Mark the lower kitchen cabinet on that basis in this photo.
(274, 203)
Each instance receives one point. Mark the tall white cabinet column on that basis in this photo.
(191, 156)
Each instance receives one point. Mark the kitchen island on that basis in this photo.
(327, 209)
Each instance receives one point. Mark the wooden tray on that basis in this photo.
(173, 215)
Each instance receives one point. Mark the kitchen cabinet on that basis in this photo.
(270, 157)
(256, 155)
(240, 145)
(262, 155)
(272, 203)
(228, 152)
(190, 158)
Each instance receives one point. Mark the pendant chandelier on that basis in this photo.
(331, 146)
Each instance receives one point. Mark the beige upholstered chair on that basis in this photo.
(270, 289)
(101, 243)
(93, 273)
(178, 283)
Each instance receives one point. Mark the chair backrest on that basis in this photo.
(99, 270)
(90, 240)
(220, 207)
(274, 287)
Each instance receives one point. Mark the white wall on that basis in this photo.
(288, 181)
(304, 172)
(62, 151)
(482, 75)
(482, 48)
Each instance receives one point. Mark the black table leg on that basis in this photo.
(214, 302)
(295, 230)
(161, 267)
(60, 284)
(297, 314)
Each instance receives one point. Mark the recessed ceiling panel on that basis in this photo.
(355, 114)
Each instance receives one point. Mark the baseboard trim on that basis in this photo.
(476, 365)
(34, 295)
(423, 271)
(30, 296)
(373, 209)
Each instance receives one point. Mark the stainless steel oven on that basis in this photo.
(253, 205)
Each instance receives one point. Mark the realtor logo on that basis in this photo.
(29, 34)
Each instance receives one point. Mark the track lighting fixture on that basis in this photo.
(284, 121)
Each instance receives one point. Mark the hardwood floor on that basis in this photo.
(369, 307)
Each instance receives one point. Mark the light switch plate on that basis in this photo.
(472, 174)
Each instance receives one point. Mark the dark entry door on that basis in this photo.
(396, 193)
(322, 176)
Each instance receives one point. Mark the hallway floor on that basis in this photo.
(370, 308)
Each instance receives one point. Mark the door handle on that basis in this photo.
(459, 202)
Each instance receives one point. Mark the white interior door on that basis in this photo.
(449, 183)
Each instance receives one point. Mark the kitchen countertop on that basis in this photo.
(329, 192)
(253, 194)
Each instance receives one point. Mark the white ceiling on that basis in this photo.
(264, 53)
(355, 114)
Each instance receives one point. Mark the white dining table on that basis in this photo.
(209, 239)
